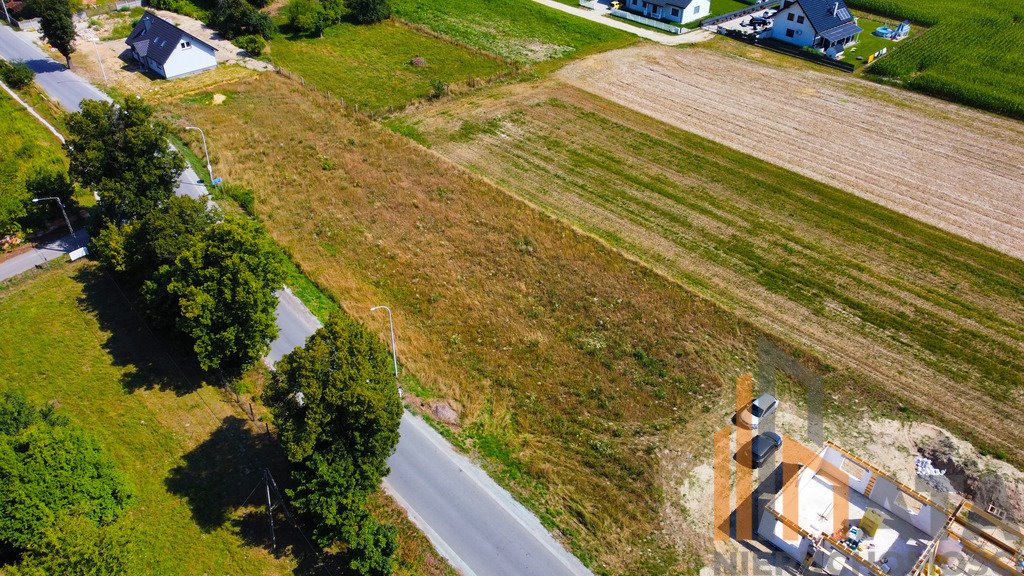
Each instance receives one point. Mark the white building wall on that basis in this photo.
(803, 33)
(697, 10)
(186, 60)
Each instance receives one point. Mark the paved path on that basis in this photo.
(601, 16)
(474, 523)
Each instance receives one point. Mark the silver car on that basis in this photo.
(751, 416)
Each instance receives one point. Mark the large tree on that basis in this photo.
(221, 289)
(336, 405)
(120, 152)
(55, 19)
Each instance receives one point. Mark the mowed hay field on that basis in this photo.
(973, 52)
(572, 367)
(933, 319)
(192, 457)
(939, 163)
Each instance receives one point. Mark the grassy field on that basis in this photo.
(27, 145)
(516, 30)
(933, 318)
(572, 368)
(370, 66)
(973, 52)
(191, 456)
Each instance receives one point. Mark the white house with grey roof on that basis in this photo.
(824, 24)
(679, 11)
(168, 50)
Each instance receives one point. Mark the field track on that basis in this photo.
(944, 164)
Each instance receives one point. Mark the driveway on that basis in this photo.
(602, 16)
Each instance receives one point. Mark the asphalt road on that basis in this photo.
(40, 255)
(469, 519)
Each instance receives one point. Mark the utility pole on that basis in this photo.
(7, 14)
(270, 510)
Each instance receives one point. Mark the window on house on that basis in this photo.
(696, 9)
(635, 2)
(675, 11)
(789, 33)
(790, 17)
(799, 19)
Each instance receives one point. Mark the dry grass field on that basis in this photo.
(936, 320)
(941, 163)
(572, 367)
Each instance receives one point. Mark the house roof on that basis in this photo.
(825, 14)
(157, 38)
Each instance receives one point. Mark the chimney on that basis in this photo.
(835, 9)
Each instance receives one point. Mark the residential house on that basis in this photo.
(168, 50)
(679, 11)
(826, 25)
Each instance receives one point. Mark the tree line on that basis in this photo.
(208, 281)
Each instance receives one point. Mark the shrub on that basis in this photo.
(244, 196)
(16, 75)
(252, 44)
(369, 11)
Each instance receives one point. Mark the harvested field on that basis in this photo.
(941, 163)
(935, 321)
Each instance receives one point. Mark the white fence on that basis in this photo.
(648, 21)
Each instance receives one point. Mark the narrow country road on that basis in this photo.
(471, 521)
(42, 254)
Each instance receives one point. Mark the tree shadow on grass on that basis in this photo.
(151, 360)
(222, 481)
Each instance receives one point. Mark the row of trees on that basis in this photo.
(312, 17)
(209, 279)
(61, 497)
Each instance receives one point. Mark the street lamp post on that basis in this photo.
(7, 15)
(394, 351)
(209, 169)
(61, 204)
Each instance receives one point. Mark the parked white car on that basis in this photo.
(751, 416)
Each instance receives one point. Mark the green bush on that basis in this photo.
(244, 196)
(16, 75)
(252, 44)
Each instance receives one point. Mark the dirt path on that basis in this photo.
(943, 164)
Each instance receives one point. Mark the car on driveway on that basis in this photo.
(751, 416)
(762, 447)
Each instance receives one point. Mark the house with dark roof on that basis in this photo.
(679, 11)
(826, 25)
(168, 50)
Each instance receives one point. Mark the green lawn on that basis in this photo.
(369, 65)
(973, 52)
(719, 7)
(517, 30)
(71, 338)
(869, 43)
